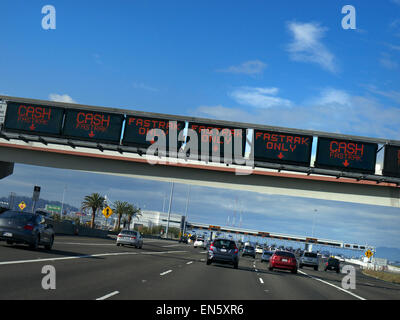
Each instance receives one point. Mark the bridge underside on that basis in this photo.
(196, 173)
(6, 169)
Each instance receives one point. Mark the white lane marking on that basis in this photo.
(108, 295)
(171, 245)
(203, 260)
(330, 284)
(68, 258)
(161, 252)
(166, 272)
(84, 256)
(190, 262)
(261, 280)
(86, 244)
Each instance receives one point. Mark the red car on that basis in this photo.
(283, 260)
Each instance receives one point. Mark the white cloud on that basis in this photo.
(248, 67)
(306, 45)
(387, 62)
(259, 97)
(61, 98)
(142, 86)
(333, 110)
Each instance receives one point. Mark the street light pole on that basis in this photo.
(315, 212)
(186, 210)
(169, 208)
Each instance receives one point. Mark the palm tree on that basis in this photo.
(132, 212)
(94, 202)
(120, 208)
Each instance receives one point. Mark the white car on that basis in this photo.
(259, 249)
(199, 243)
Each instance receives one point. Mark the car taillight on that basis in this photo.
(236, 250)
(119, 236)
(133, 238)
(28, 227)
(211, 247)
(327, 263)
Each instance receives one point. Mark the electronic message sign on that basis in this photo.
(93, 125)
(218, 137)
(346, 155)
(33, 118)
(282, 147)
(391, 164)
(137, 128)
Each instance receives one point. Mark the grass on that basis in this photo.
(386, 276)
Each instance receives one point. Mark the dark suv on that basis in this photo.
(223, 251)
(249, 251)
(333, 264)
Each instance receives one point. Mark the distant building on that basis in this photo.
(154, 218)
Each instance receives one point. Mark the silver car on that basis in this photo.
(309, 259)
(130, 238)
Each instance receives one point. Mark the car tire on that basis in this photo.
(236, 265)
(208, 262)
(316, 268)
(337, 271)
(294, 271)
(50, 245)
(270, 268)
(35, 244)
(325, 269)
(9, 242)
(300, 266)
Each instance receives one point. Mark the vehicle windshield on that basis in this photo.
(18, 216)
(285, 254)
(225, 244)
(310, 254)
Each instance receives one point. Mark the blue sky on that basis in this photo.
(287, 63)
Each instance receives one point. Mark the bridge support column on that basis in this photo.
(6, 169)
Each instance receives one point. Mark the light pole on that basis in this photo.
(169, 208)
(315, 213)
(186, 210)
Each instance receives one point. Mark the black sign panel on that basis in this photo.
(346, 155)
(391, 164)
(282, 147)
(218, 137)
(93, 125)
(33, 119)
(136, 129)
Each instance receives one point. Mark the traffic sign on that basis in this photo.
(22, 205)
(282, 147)
(346, 155)
(391, 165)
(368, 253)
(107, 212)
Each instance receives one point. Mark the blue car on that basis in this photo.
(266, 255)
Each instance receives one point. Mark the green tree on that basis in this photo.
(94, 202)
(132, 212)
(120, 208)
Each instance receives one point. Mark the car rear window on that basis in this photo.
(128, 233)
(333, 261)
(226, 244)
(285, 254)
(18, 216)
(310, 254)
(249, 248)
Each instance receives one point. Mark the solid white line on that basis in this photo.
(68, 258)
(261, 280)
(86, 244)
(108, 295)
(166, 272)
(330, 284)
(160, 252)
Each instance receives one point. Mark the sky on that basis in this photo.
(287, 63)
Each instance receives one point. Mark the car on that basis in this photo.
(249, 251)
(283, 260)
(130, 238)
(199, 243)
(333, 264)
(26, 228)
(309, 259)
(259, 249)
(223, 251)
(266, 255)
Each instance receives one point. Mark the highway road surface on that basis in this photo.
(92, 268)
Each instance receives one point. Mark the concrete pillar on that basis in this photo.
(6, 169)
